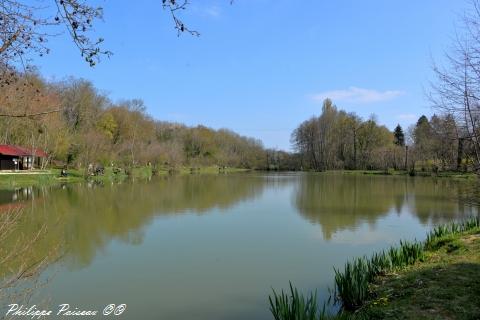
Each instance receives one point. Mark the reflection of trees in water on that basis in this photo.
(340, 202)
(438, 200)
(83, 219)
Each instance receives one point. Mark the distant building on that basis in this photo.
(20, 158)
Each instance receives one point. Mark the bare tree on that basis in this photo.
(456, 90)
(19, 275)
(26, 28)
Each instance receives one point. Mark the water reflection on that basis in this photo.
(82, 218)
(15, 198)
(338, 202)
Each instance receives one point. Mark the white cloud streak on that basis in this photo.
(213, 11)
(358, 95)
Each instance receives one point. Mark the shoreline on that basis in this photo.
(10, 179)
(52, 176)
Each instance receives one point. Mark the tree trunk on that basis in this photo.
(354, 149)
(459, 154)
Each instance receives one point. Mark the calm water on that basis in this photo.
(212, 247)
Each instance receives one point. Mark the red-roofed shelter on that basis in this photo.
(20, 158)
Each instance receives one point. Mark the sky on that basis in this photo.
(261, 67)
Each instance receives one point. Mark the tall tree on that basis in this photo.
(422, 138)
(399, 136)
(456, 90)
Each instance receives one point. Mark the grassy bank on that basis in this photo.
(435, 279)
(440, 174)
(52, 176)
(13, 180)
(444, 286)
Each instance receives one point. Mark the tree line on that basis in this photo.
(339, 140)
(77, 125)
(449, 140)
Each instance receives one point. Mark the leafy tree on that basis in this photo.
(337, 140)
(422, 134)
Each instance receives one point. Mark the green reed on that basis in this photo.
(293, 305)
(352, 284)
(451, 229)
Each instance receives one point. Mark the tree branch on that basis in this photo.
(29, 115)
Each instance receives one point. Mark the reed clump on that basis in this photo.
(351, 284)
(293, 306)
(443, 231)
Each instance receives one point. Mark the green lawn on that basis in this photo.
(445, 286)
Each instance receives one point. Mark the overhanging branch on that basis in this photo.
(29, 115)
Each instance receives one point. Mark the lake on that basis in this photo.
(213, 246)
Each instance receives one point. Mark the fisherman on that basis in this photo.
(63, 173)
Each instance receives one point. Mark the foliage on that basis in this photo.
(339, 140)
(92, 129)
(399, 136)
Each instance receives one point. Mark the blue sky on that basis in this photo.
(261, 67)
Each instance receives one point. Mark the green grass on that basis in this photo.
(445, 286)
(52, 176)
(20, 180)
